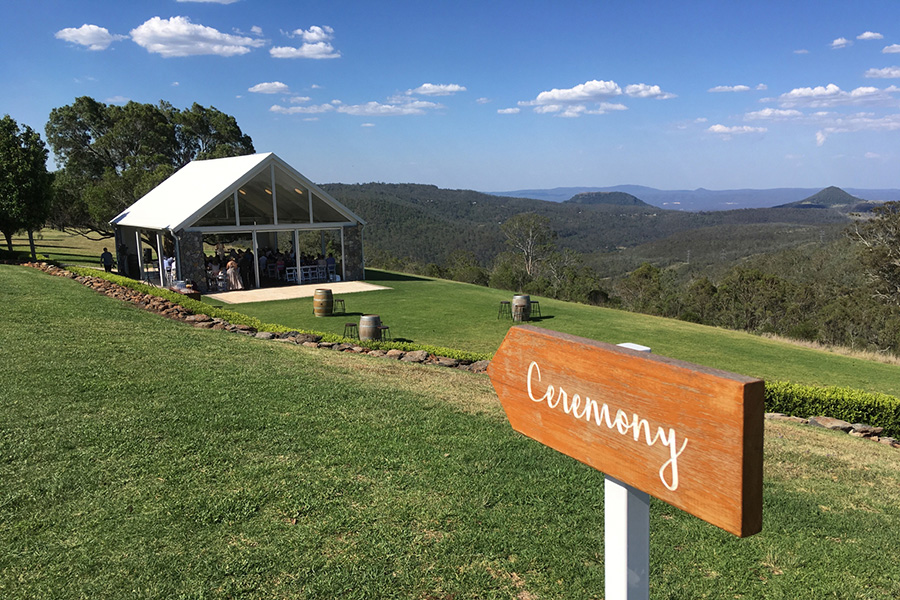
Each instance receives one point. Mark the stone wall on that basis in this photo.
(353, 254)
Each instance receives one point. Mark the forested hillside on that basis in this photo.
(799, 270)
(426, 224)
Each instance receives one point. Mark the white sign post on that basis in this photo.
(626, 535)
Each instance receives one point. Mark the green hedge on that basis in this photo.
(201, 308)
(853, 406)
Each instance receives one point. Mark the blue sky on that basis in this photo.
(496, 95)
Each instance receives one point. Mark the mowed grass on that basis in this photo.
(143, 458)
(64, 248)
(463, 316)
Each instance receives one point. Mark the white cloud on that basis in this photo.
(367, 125)
(590, 91)
(885, 73)
(270, 87)
(869, 35)
(256, 30)
(315, 34)
(642, 90)
(320, 50)
(729, 88)
(892, 49)
(820, 138)
(179, 37)
(773, 113)
(305, 110)
(430, 89)
(300, 99)
(841, 43)
(376, 109)
(92, 36)
(831, 95)
(738, 129)
(508, 111)
(483, 100)
(872, 155)
(801, 51)
(118, 100)
(316, 44)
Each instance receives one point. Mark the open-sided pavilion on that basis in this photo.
(257, 195)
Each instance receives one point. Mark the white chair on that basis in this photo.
(290, 274)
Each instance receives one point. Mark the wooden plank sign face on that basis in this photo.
(688, 435)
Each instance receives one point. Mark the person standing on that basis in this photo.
(106, 259)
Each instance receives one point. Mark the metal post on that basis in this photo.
(255, 245)
(626, 522)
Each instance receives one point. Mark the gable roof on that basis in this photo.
(198, 187)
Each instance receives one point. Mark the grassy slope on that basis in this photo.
(464, 316)
(143, 458)
(147, 459)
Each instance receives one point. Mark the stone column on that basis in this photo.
(353, 254)
(193, 262)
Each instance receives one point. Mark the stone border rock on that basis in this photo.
(177, 312)
(859, 430)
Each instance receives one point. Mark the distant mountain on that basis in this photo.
(702, 199)
(609, 198)
(833, 198)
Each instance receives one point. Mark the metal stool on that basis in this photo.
(385, 332)
(535, 308)
(505, 310)
(339, 301)
(351, 330)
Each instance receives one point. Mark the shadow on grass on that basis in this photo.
(385, 276)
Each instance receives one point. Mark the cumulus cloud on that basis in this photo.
(430, 89)
(508, 111)
(376, 109)
(642, 90)
(885, 73)
(762, 86)
(316, 44)
(92, 36)
(178, 36)
(301, 110)
(831, 95)
(841, 43)
(270, 87)
(773, 113)
(590, 98)
(736, 130)
(892, 49)
(869, 35)
(730, 88)
(483, 100)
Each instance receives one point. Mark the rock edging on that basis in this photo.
(859, 430)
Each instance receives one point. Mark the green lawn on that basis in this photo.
(143, 458)
(64, 248)
(462, 316)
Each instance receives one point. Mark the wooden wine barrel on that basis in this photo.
(521, 308)
(323, 303)
(368, 327)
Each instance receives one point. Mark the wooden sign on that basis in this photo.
(688, 435)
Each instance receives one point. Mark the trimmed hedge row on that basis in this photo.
(848, 404)
(236, 318)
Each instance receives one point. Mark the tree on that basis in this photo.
(879, 240)
(25, 184)
(531, 235)
(109, 156)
